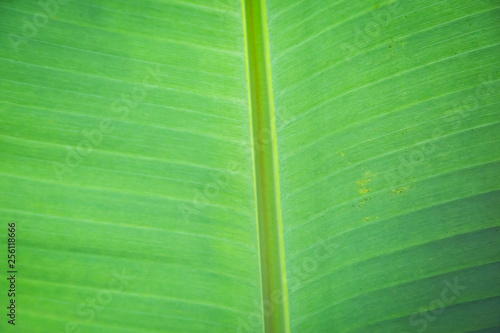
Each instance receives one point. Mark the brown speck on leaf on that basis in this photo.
(400, 190)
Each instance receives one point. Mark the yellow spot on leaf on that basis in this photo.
(363, 183)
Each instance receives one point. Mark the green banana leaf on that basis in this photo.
(249, 166)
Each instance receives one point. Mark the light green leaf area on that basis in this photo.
(130, 165)
(125, 152)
